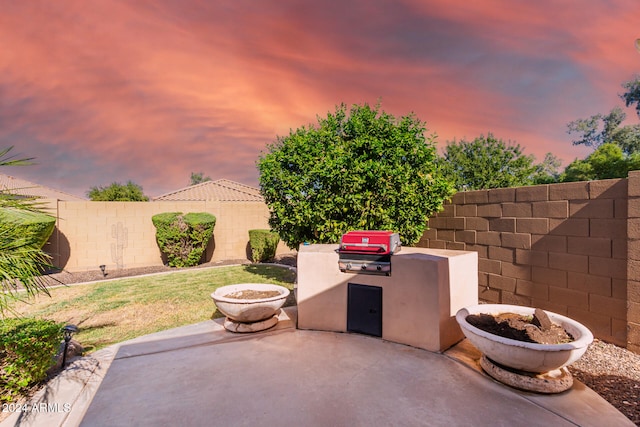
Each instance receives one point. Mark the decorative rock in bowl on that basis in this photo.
(250, 307)
(545, 362)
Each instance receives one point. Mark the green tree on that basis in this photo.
(608, 161)
(356, 169)
(617, 147)
(198, 178)
(632, 94)
(116, 192)
(601, 129)
(487, 163)
(22, 261)
(548, 171)
(578, 170)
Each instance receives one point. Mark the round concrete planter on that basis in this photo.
(249, 310)
(530, 357)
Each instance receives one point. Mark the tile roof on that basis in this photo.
(223, 190)
(22, 187)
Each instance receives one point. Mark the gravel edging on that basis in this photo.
(614, 373)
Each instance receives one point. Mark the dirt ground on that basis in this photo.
(517, 327)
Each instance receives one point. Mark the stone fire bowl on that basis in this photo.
(249, 310)
(530, 357)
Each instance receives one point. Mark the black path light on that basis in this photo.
(103, 268)
(68, 332)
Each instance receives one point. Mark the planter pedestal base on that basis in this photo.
(555, 381)
(243, 328)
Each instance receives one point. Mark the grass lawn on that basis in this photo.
(110, 312)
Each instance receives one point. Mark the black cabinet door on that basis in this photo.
(364, 309)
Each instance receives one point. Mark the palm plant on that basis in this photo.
(22, 261)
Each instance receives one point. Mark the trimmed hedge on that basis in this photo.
(36, 227)
(27, 350)
(183, 238)
(263, 244)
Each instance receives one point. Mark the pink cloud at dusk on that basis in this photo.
(151, 91)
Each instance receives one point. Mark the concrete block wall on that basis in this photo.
(121, 234)
(633, 263)
(560, 247)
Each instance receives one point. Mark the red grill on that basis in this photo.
(368, 252)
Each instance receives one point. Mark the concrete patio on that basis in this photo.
(203, 375)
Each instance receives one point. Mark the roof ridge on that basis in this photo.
(238, 189)
(181, 189)
(211, 191)
(33, 185)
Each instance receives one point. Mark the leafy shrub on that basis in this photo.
(361, 169)
(116, 192)
(35, 227)
(263, 244)
(183, 238)
(27, 351)
(487, 162)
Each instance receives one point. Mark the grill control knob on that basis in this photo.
(364, 266)
(349, 266)
(379, 267)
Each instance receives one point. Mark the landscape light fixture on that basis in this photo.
(103, 268)
(68, 332)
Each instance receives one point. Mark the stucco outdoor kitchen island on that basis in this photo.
(415, 305)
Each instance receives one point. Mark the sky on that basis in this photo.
(106, 91)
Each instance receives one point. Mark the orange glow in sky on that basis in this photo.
(150, 91)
